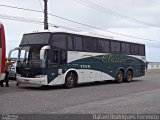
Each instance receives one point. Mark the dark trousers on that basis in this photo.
(6, 79)
(1, 83)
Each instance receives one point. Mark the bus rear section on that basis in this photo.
(2, 52)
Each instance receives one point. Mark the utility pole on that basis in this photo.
(45, 15)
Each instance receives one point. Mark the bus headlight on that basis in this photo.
(40, 76)
(18, 75)
(59, 71)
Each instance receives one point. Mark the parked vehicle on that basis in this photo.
(13, 71)
(53, 58)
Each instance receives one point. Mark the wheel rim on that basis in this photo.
(120, 77)
(70, 80)
(129, 77)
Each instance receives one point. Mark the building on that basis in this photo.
(154, 65)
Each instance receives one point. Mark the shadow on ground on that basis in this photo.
(90, 84)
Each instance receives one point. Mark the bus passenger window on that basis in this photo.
(63, 57)
(115, 47)
(53, 58)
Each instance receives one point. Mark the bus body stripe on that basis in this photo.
(3, 42)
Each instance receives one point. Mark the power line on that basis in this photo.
(27, 20)
(103, 29)
(40, 4)
(20, 8)
(82, 23)
(21, 19)
(95, 6)
(113, 13)
(51, 25)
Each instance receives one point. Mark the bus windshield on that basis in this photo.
(29, 57)
(35, 38)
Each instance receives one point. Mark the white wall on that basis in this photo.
(154, 66)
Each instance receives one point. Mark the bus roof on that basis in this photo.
(83, 34)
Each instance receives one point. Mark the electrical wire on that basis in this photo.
(40, 4)
(113, 13)
(89, 26)
(51, 25)
(22, 19)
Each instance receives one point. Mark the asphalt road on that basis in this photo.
(142, 96)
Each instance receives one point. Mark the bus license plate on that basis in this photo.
(26, 81)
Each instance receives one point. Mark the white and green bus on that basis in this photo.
(68, 58)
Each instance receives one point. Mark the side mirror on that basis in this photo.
(42, 52)
(43, 55)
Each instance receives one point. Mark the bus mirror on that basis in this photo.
(10, 52)
(43, 51)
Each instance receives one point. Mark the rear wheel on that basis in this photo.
(119, 77)
(70, 80)
(129, 76)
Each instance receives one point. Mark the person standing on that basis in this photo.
(7, 71)
(147, 65)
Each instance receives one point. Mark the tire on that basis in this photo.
(119, 77)
(70, 80)
(17, 84)
(129, 76)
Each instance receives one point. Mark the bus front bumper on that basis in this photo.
(32, 81)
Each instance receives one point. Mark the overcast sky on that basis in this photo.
(138, 18)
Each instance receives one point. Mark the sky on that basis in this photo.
(134, 18)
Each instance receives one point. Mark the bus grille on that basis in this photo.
(28, 74)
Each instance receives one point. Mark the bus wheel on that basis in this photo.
(17, 84)
(70, 80)
(119, 77)
(129, 76)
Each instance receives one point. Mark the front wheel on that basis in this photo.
(17, 84)
(119, 77)
(129, 76)
(70, 80)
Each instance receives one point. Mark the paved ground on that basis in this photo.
(141, 96)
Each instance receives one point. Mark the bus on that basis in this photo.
(2, 52)
(69, 58)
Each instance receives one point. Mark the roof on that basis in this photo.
(72, 32)
(82, 33)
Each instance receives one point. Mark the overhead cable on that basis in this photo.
(86, 25)
(113, 13)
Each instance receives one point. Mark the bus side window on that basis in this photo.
(53, 56)
(63, 57)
